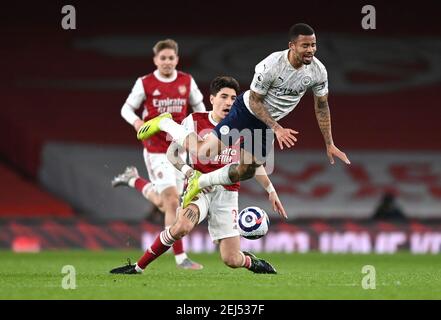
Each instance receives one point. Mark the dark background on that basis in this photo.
(55, 90)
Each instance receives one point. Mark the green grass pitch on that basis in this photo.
(300, 276)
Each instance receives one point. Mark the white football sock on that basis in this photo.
(131, 182)
(166, 237)
(216, 177)
(180, 257)
(138, 269)
(177, 131)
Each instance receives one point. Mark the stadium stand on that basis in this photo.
(62, 92)
(20, 198)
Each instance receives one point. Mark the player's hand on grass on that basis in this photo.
(332, 151)
(277, 205)
(285, 136)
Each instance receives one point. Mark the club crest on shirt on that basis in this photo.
(259, 81)
(306, 81)
(224, 130)
(182, 90)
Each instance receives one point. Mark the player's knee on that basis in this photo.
(247, 171)
(154, 198)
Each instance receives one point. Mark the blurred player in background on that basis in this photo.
(166, 90)
(219, 204)
(279, 82)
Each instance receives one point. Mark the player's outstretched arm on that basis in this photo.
(284, 136)
(263, 179)
(323, 116)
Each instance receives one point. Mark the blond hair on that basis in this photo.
(165, 44)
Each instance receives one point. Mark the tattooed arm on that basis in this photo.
(261, 112)
(323, 116)
(284, 136)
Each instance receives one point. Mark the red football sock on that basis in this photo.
(140, 183)
(161, 244)
(178, 247)
(247, 262)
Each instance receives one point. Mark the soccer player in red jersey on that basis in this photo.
(166, 90)
(219, 204)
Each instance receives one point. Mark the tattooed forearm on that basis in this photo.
(324, 119)
(261, 112)
(191, 215)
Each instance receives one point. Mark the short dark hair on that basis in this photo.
(300, 29)
(221, 82)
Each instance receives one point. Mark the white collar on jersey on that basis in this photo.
(162, 79)
(210, 117)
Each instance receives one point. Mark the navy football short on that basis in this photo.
(240, 123)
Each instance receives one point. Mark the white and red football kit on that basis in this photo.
(221, 205)
(158, 95)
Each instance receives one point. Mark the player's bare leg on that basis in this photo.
(233, 257)
(186, 220)
(154, 198)
(170, 200)
(230, 253)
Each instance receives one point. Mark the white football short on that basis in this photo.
(162, 173)
(220, 208)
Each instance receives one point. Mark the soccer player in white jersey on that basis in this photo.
(219, 205)
(279, 82)
(165, 90)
